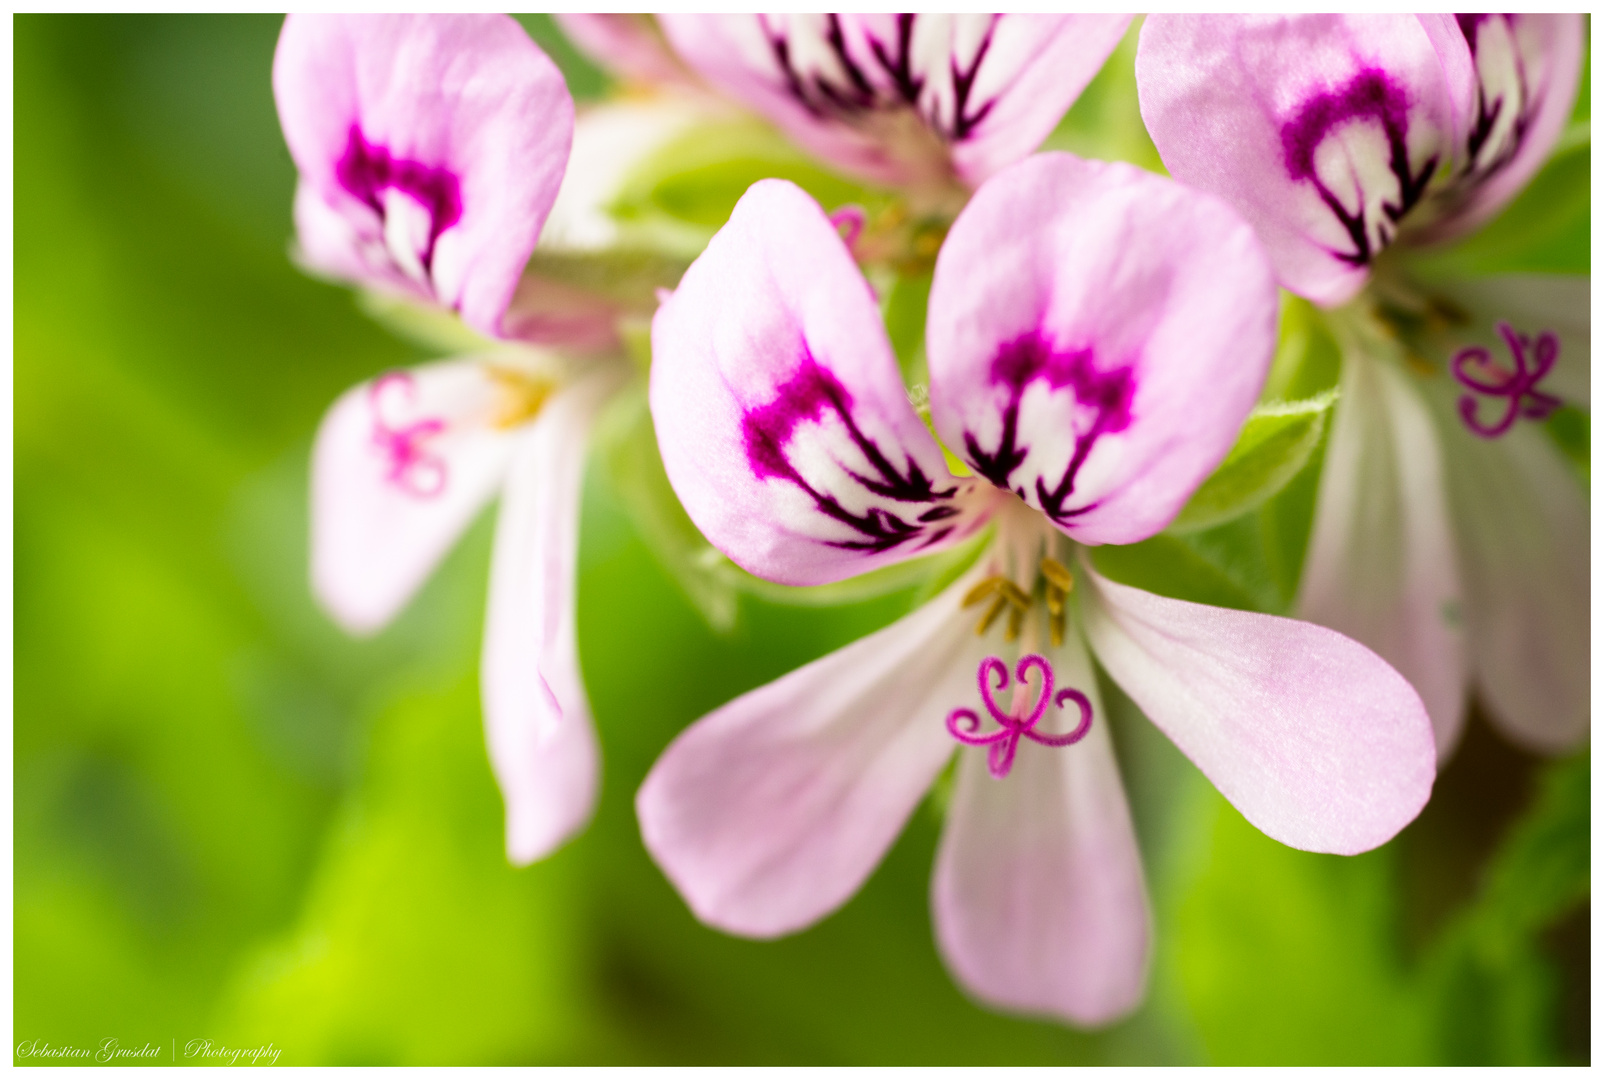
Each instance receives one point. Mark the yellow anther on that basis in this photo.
(1055, 600)
(981, 591)
(1057, 574)
(522, 395)
(1013, 594)
(992, 612)
(1055, 627)
(1016, 622)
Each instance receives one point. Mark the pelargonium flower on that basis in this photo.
(431, 150)
(906, 100)
(1097, 335)
(1446, 524)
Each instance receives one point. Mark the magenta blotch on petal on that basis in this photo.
(430, 149)
(1097, 336)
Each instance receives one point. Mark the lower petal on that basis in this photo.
(771, 812)
(1038, 896)
(1381, 566)
(1313, 737)
(537, 718)
(1522, 523)
(401, 466)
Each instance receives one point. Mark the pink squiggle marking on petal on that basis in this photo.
(1002, 744)
(1475, 370)
(409, 466)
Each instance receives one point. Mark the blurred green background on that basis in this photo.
(233, 823)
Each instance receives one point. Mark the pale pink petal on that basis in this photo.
(780, 410)
(1527, 69)
(1381, 564)
(770, 812)
(435, 144)
(1038, 896)
(901, 99)
(537, 718)
(401, 465)
(1323, 130)
(1097, 336)
(1522, 523)
(1309, 734)
(629, 45)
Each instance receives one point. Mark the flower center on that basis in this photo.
(1003, 743)
(1517, 388)
(410, 466)
(1055, 583)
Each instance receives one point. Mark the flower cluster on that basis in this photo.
(1097, 339)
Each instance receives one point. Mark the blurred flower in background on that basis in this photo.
(235, 822)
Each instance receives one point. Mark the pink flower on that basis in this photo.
(431, 150)
(1096, 337)
(1449, 536)
(903, 99)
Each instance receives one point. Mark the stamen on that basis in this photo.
(1006, 595)
(1476, 371)
(964, 724)
(522, 395)
(410, 467)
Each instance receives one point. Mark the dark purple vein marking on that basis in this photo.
(807, 397)
(1369, 95)
(1025, 360)
(852, 94)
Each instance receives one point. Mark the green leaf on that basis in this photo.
(1546, 230)
(1274, 446)
(1288, 957)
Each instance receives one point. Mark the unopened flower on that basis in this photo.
(431, 151)
(1097, 335)
(905, 100)
(1450, 535)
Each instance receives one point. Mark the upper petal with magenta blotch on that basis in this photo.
(1097, 337)
(433, 146)
(780, 411)
(1325, 131)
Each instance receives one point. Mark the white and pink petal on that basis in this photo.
(770, 812)
(400, 467)
(1314, 738)
(779, 407)
(537, 716)
(437, 141)
(1382, 566)
(1097, 336)
(1038, 896)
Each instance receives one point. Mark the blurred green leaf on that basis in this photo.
(1547, 229)
(1106, 120)
(1493, 989)
(418, 944)
(1274, 445)
(586, 81)
(1289, 958)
